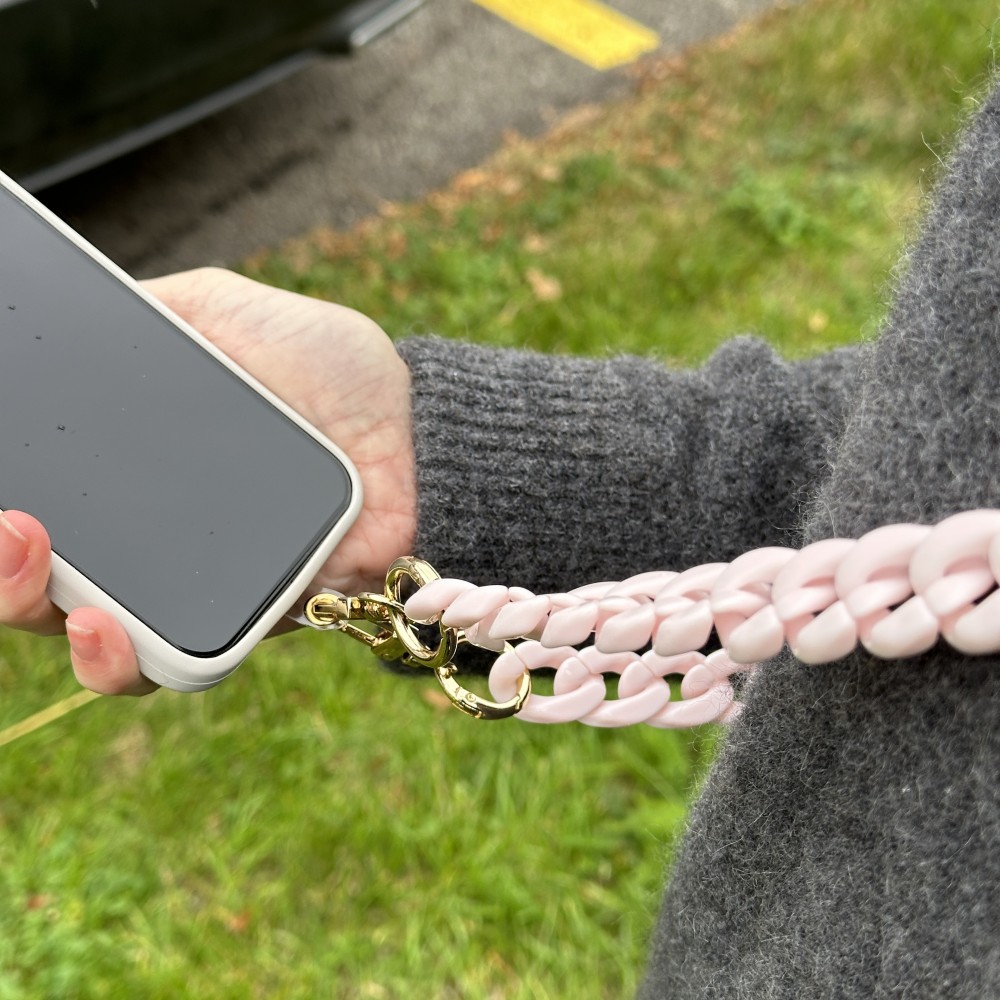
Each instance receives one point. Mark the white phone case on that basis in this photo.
(69, 588)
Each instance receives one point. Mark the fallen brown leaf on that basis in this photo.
(545, 287)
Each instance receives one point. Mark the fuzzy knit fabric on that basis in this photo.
(846, 841)
(554, 471)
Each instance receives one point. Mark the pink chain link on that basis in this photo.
(896, 591)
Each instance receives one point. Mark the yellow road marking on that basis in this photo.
(47, 715)
(587, 30)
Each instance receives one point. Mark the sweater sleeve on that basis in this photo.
(550, 472)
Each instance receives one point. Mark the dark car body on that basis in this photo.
(82, 81)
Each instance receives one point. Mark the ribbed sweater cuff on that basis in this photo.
(502, 460)
(552, 471)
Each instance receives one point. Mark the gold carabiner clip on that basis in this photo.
(396, 637)
(482, 708)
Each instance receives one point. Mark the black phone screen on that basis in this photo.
(160, 474)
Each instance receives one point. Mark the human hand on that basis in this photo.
(332, 365)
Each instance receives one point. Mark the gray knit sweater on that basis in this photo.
(847, 842)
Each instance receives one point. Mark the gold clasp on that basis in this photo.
(393, 636)
(482, 708)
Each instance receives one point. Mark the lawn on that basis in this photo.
(317, 827)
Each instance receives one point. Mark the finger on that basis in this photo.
(25, 563)
(102, 655)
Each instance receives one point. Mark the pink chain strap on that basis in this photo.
(896, 591)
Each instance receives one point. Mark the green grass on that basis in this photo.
(315, 827)
(760, 183)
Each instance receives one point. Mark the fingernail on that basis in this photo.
(85, 642)
(13, 549)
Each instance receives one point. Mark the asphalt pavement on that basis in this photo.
(331, 144)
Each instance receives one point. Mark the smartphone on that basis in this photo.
(180, 494)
